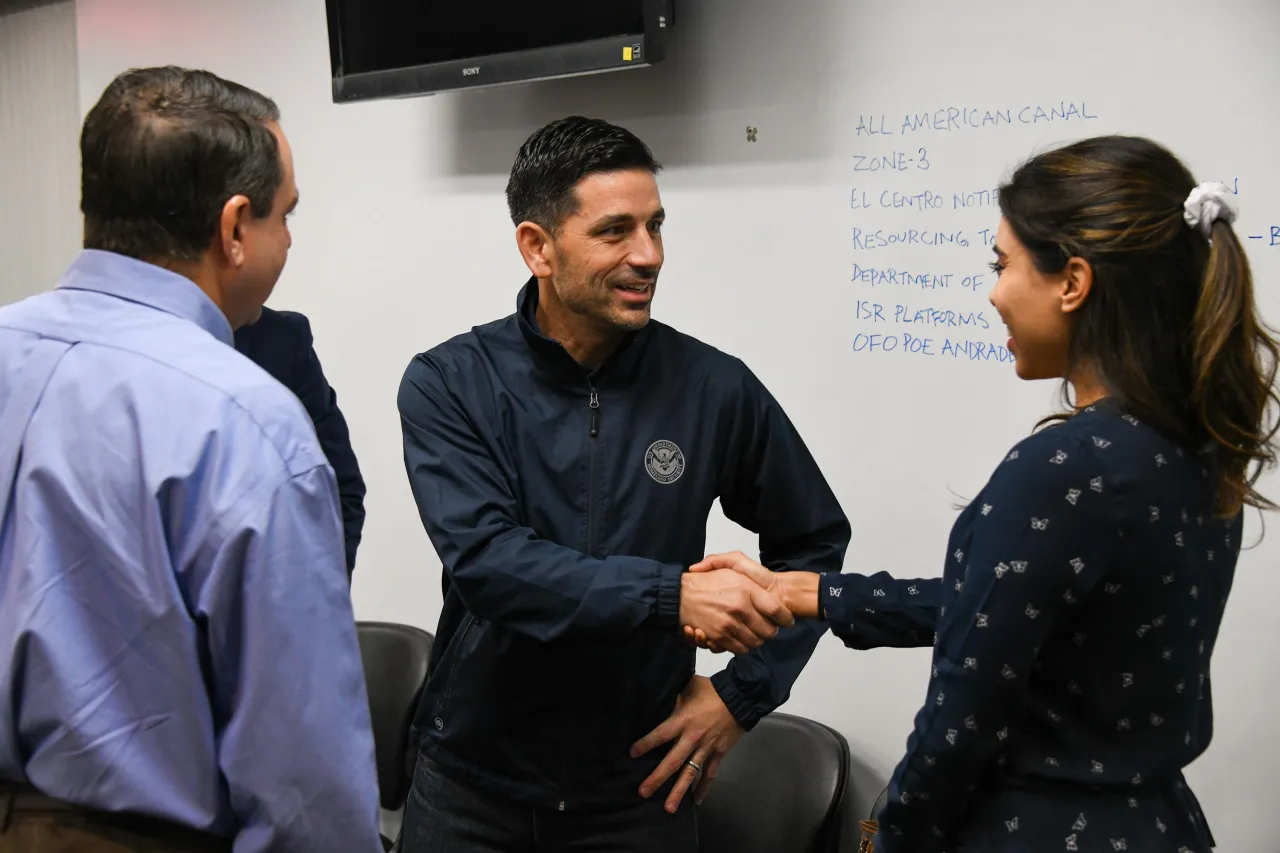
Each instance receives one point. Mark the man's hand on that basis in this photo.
(798, 591)
(731, 610)
(703, 731)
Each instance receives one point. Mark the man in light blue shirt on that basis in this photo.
(179, 667)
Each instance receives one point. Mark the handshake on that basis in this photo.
(731, 603)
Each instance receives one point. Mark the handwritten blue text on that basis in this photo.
(880, 238)
(948, 119)
(959, 350)
(906, 314)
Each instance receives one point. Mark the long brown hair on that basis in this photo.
(1170, 324)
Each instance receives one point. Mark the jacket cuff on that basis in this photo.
(742, 709)
(668, 605)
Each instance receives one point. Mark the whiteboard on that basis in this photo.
(882, 129)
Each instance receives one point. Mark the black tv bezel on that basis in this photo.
(525, 66)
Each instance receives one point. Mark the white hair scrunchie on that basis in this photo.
(1207, 204)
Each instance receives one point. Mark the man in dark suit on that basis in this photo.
(280, 343)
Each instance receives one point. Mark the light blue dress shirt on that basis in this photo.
(176, 632)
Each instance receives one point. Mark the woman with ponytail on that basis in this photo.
(1084, 587)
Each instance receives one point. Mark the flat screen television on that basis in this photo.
(402, 48)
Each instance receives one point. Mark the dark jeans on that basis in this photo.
(444, 816)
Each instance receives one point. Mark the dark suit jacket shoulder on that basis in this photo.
(281, 344)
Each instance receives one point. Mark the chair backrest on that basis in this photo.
(781, 788)
(879, 803)
(395, 670)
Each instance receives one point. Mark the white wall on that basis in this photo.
(39, 154)
(402, 240)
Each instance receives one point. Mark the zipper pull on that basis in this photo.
(595, 408)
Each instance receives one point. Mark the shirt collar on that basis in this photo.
(146, 284)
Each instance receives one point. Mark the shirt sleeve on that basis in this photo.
(879, 611)
(502, 570)
(1042, 546)
(295, 740)
(773, 486)
(321, 402)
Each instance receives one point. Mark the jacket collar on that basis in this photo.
(618, 369)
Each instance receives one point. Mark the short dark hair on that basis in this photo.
(557, 156)
(1171, 323)
(161, 152)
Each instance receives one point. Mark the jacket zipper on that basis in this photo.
(593, 452)
(468, 623)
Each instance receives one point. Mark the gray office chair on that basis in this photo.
(395, 670)
(879, 804)
(783, 787)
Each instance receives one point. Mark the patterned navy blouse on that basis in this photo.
(1072, 631)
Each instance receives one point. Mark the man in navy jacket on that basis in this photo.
(564, 461)
(280, 343)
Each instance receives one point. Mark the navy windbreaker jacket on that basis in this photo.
(280, 343)
(564, 505)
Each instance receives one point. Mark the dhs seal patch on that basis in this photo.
(664, 462)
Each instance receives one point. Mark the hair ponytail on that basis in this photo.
(1234, 362)
(1171, 327)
